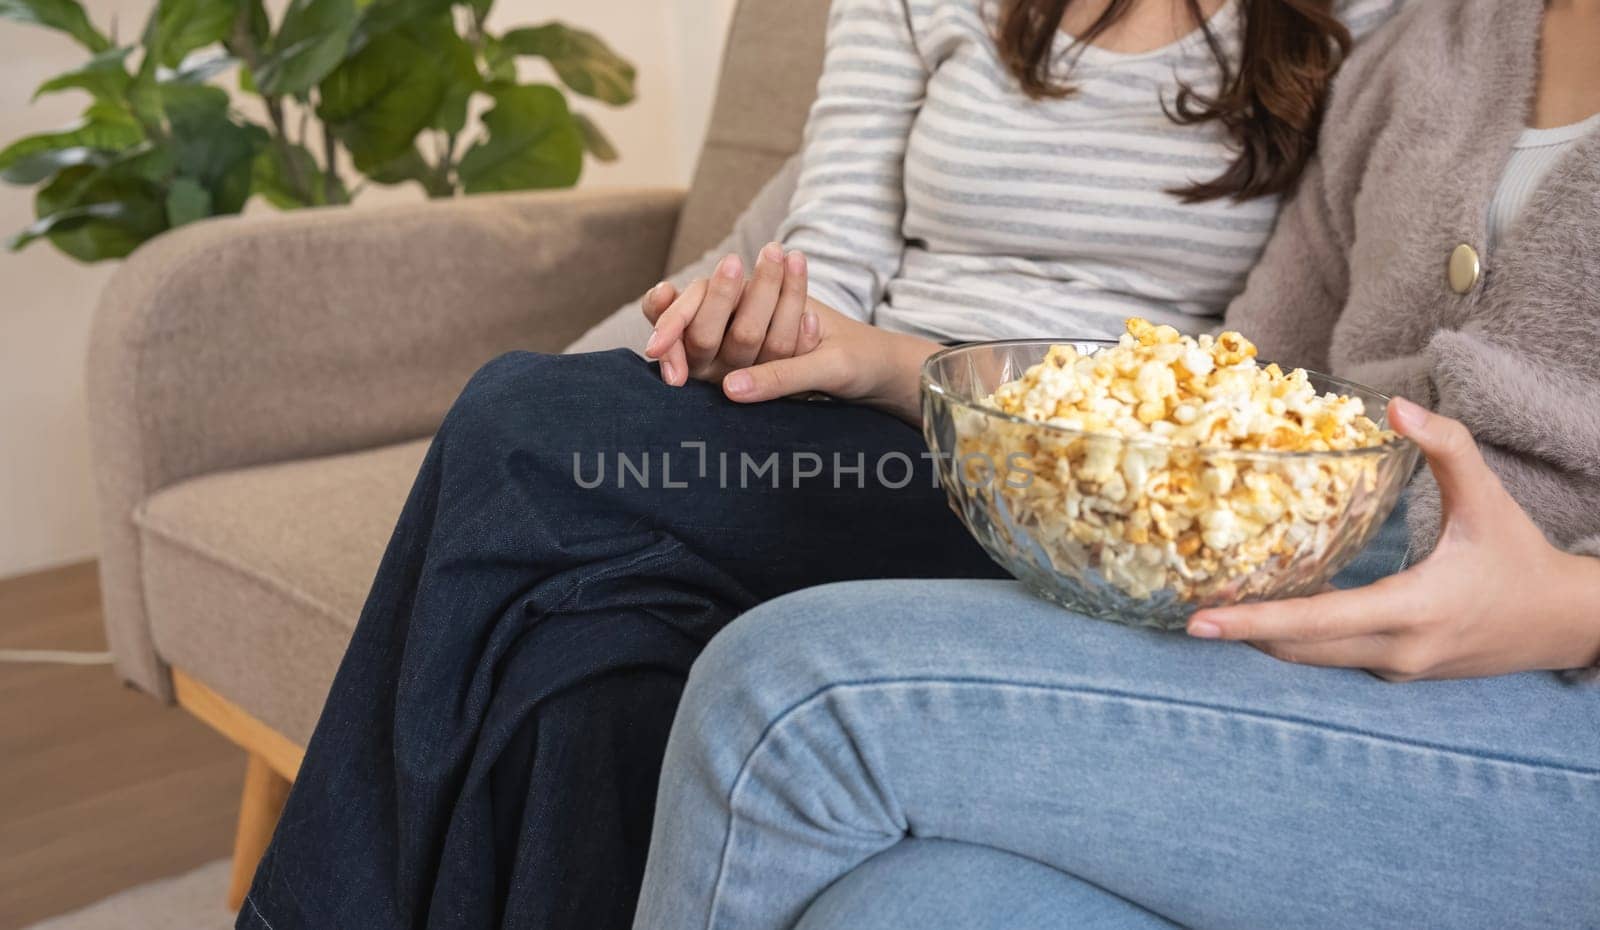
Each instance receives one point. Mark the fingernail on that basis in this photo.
(657, 289)
(797, 262)
(808, 323)
(1204, 629)
(773, 252)
(738, 383)
(654, 343)
(668, 374)
(1408, 413)
(731, 267)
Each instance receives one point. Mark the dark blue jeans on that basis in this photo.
(489, 753)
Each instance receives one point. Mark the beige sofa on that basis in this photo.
(262, 390)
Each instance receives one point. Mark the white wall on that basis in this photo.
(46, 495)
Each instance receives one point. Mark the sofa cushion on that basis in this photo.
(255, 577)
(770, 67)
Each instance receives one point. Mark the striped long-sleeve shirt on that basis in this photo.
(937, 198)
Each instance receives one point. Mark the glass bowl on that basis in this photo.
(1193, 526)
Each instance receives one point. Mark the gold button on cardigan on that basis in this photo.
(1465, 268)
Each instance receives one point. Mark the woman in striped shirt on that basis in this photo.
(972, 176)
(489, 752)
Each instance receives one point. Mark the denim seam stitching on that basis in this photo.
(257, 911)
(809, 700)
(583, 584)
(1475, 755)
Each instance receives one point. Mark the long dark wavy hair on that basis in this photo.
(1270, 101)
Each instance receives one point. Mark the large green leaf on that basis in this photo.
(381, 16)
(413, 167)
(144, 98)
(182, 102)
(96, 213)
(199, 68)
(451, 117)
(594, 140)
(104, 76)
(178, 27)
(217, 153)
(207, 145)
(379, 99)
(311, 42)
(35, 168)
(187, 201)
(29, 159)
(141, 169)
(65, 221)
(158, 101)
(533, 143)
(148, 160)
(63, 15)
(124, 227)
(582, 60)
(462, 81)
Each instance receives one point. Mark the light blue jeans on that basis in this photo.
(959, 754)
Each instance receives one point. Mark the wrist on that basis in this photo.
(901, 391)
(1581, 598)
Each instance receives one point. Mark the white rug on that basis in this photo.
(187, 902)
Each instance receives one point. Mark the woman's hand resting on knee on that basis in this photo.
(725, 322)
(1495, 597)
(844, 358)
(765, 338)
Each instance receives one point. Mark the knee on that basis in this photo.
(516, 386)
(548, 378)
(493, 392)
(752, 663)
(787, 649)
(801, 643)
(750, 676)
(771, 637)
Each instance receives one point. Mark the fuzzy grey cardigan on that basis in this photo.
(1418, 131)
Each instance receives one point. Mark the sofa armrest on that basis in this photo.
(239, 342)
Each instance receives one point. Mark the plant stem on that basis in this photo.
(447, 166)
(280, 139)
(330, 177)
(243, 44)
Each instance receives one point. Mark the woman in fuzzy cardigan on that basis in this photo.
(959, 754)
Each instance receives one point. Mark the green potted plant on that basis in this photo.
(354, 92)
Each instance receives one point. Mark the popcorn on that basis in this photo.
(1153, 486)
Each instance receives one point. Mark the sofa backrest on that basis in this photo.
(769, 78)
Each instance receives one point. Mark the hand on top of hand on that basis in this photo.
(716, 325)
(844, 358)
(1494, 597)
(765, 339)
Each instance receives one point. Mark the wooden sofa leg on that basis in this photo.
(264, 793)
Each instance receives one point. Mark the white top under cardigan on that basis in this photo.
(1532, 156)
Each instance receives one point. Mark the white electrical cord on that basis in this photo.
(55, 656)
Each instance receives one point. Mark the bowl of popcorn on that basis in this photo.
(1142, 479)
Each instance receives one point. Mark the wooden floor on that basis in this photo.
(101, 788)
